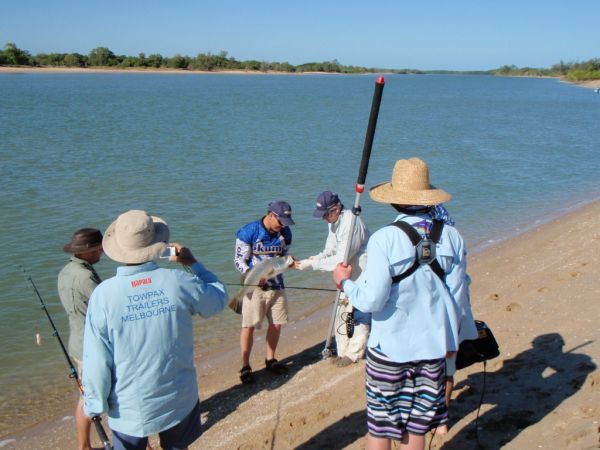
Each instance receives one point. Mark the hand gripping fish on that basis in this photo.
(267, 268)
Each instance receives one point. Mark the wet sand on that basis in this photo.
(539, 294)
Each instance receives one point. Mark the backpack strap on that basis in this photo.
(415, 238)
(435, 234)
(436, 231)
(409, 230)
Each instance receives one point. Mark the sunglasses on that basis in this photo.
(277, 218)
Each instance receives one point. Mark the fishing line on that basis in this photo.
(287, 287)
(189, 269)
(73, 372)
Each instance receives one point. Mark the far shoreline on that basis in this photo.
(137, 70)
(590, 84)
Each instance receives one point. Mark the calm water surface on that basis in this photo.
(208, 152)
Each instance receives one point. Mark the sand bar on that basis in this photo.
(592, 84)
(538, 292)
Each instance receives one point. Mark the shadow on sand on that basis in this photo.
(526, 389)
(223, 403)
(340, 434)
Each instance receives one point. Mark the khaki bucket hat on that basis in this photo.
(409, 186)
(135, 237)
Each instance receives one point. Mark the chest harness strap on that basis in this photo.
(424, 249)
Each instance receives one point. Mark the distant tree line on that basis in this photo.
(571, 71)
(104, 57)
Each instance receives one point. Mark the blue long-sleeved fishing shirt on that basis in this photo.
(254, 243)
(421, 317)
(138, 346)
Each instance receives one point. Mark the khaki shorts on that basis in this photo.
(271, 304)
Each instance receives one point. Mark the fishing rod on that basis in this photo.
(359, 188)
(97, 420)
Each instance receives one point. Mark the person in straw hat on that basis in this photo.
(138, 343)
(76, 282)
(417, 290)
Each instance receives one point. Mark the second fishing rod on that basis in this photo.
(359, 188)
(96, 420)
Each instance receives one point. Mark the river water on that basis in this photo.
(208, 152)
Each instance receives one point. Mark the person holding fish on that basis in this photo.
(350, 344)
(267, 238)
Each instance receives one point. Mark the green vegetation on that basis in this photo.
(571, 71)
(104, 57)
(575, 71)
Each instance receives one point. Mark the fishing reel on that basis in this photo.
(350, 324)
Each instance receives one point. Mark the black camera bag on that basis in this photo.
(472, 351)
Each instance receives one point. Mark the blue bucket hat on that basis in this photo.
(325, 201)
(283, 211)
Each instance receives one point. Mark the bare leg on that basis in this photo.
(83, 424)
(246, 341)
(449, 387)
(377, 443)
(273, 334)
(412, 442)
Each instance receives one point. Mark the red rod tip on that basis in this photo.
(380, 80)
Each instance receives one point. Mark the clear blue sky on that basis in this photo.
(435, 34)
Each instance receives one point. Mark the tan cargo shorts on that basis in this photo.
(271, 304)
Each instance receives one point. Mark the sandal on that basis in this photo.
(246, 376)
(275, 366)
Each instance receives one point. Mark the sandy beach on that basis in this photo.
(592, 84)
(539, 294)
(27, 69)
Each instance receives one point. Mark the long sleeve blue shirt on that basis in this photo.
(421, 317)
(254, 243)
(138, 345)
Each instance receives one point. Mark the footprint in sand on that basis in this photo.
(588, 411)
(594, 380)
(323, 414)
(494, 297)
(301, 421)
(577, 436)
(513, 306)
(575, 274)
(543, 289)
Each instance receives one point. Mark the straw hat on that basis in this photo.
(409, 186)
(135, 237)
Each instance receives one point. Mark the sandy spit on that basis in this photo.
(539, 294)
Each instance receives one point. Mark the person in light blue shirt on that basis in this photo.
(418, 319)
(138, 343)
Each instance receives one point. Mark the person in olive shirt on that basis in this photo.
(76, 282)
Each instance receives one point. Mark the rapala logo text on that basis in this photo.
(137, 283)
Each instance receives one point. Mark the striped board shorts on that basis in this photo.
(404, 397)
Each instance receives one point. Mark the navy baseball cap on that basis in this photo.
(283, 211)
(325, 200)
